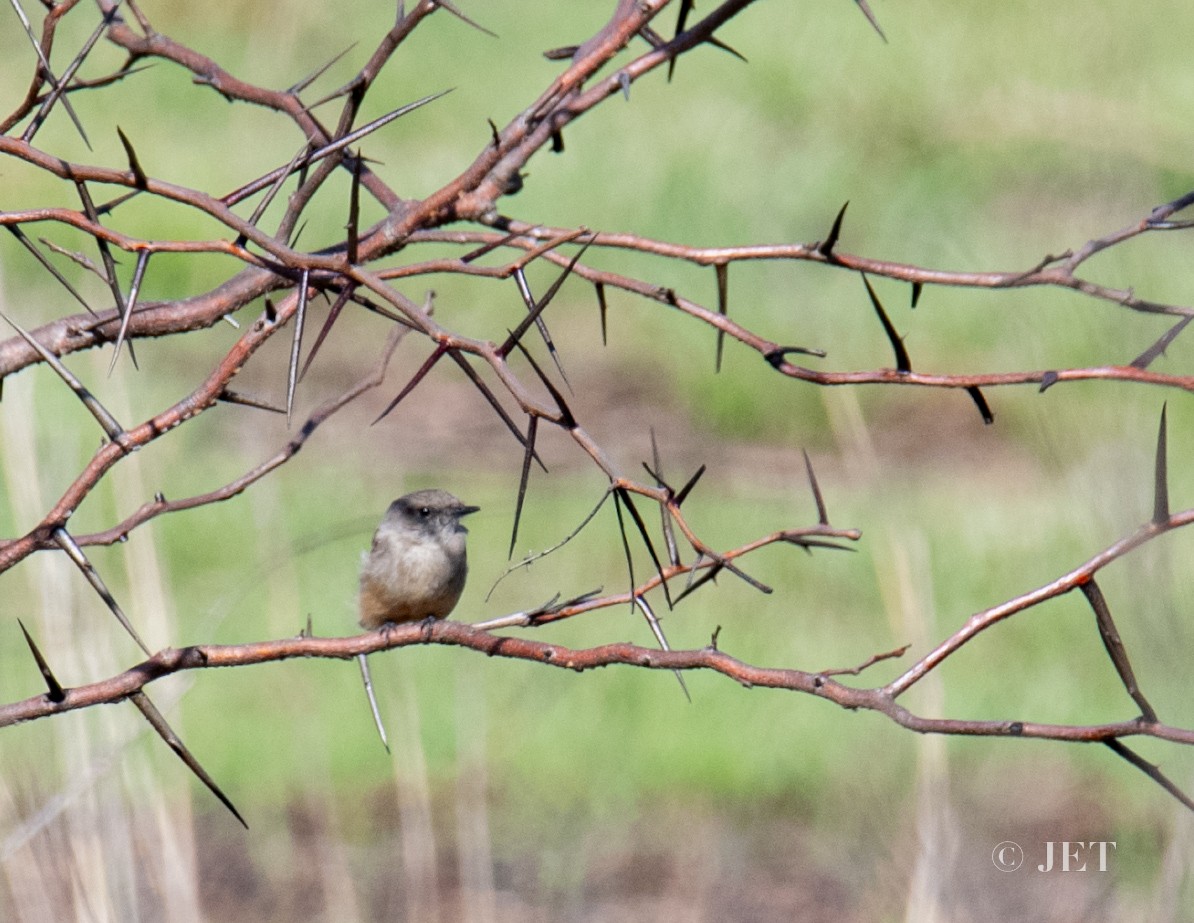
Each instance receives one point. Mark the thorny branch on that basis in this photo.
(284, 277)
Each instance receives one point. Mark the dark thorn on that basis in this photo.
(158, 723)
(778, 356)
(524, 478)
(651, 37)
(58, 90)
(567, 420)
(1146, 358)
(601, 308)
(903, 363)
(428, 364)
(46, 264)
(561, 54)
(543, 302)
(1115, 648)
(1150, 770)
(714, 637)
(710, 574)
(49, 74)
(822, 515)
(64, 541)
(1048, 380)
(646, 536)
(557, 142)
(746, 578)
(723, 307)
(866, 11)
(238, 195)
(491, 398)
(981, 402)
(687, 488)
(524, 289)
(297, 88)
(917, 288)
(681, 22)
(354, 213)
(140, 180)
(455, 11)
(718, 43)
(669, 535)
(271, 313)
(1161, 474)
(296, 346)
(134, 291)
(808, 544)
(625, 543)
(105, 254)
(112, 429)
(368, 681)
(55, 691)
(826, 247)
(473, 255)
(494, 134)
(235, 397)
(337, 306)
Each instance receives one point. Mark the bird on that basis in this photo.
(417, 564)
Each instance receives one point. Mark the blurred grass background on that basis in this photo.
(979, 139)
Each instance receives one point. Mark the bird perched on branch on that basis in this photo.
(417, 565)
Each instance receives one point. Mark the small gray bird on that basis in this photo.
(417, 566)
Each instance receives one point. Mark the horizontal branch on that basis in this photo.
(460, 634)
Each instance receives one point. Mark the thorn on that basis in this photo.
(917, 288)
(822, 515)
(524, 478)
(134, 291)
(158, 723)
(541, 305)
(903, 363)
(47, 265)
(296, 346)
(428, 364)
(866, 11)
(64, 541)
(681, 23)
(334, 313)
(624, 83)
(55, 691)
(455, 11)
(981, 403)
(657, 630)
(646, 536)
(1161, 474)
(491, 399)
(112, 429)
(1145, 359)
(723, 308)
(669, 535)
(140, 180)
(1115, 648)
(687, 488)
(368, 681)
(826, 248)
(601, 308)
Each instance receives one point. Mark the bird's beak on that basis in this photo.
(465, 510)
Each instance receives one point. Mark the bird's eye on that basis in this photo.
(424, 511)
